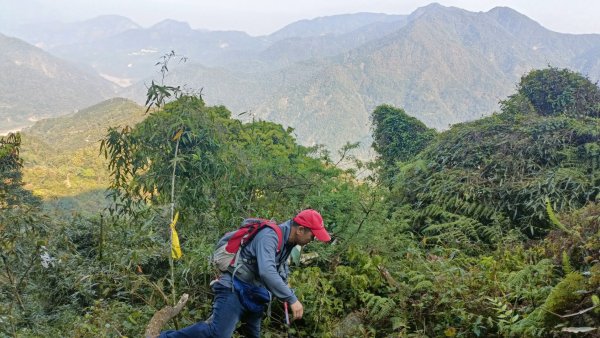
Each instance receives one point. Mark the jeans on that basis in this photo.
(227, 312)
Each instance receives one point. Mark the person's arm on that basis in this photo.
(266, 251)
(296, 307)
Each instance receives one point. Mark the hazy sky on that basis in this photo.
(259, 17)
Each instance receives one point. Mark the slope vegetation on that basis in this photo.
(62, 162)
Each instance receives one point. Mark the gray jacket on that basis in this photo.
(264, 266)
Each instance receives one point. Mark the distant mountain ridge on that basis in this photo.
(88, 126)
(52, 34)
(443, 65)
(36, 84)
(324, 76)
(332, 25)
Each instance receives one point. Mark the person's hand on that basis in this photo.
(297, 309)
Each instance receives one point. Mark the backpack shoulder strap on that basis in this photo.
(277, 230)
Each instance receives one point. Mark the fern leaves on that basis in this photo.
(379, 307)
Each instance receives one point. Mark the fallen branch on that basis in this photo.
(161, 317)
(578, 313)
(387, 276)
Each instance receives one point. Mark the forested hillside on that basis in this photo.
(444, 65)
(36, 84)
(62, 162)
(488, 229)
(323, 77)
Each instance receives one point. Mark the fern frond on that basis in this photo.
(553, 217)
(379, 307)
(566, 263)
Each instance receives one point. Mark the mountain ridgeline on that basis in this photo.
(323, 77)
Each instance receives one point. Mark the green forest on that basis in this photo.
(488, 229)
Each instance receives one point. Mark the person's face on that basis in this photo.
(304, 236)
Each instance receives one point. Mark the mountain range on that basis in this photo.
(36, 84)
(324, 76)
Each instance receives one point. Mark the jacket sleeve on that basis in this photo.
(266, 251)
(284, 271)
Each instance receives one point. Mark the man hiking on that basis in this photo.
(261, 271)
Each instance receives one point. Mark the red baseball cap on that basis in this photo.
(311, 219)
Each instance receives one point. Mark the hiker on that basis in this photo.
(263, 273)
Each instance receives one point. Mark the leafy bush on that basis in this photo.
(554, 91)
(479, 177)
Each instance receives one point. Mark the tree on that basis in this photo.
(141, 159)
(11, 186)
(398, 136)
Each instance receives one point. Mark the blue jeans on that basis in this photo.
(227, 312)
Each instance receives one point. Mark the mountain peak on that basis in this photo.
(110, 18)
(435, 9)
(104, 25)
(334, 25)
(503, 11)
(116, 22)
(431, 8)
(513, 21)
(172, 26)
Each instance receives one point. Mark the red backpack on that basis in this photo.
(228, 249)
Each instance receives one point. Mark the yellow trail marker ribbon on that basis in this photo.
(175, 248)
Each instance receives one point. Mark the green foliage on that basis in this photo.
(553, 217)
(159, 94)
(11, 186)
(23, 240)
(444, 252)
(10, 168)
(320, 298)
(566, 263)
(398, 136)
(378, 307)
(565, 294)
(580, 244)
(111, 319)
(498, 171)
(140, 159)
(505, 316)
(554, 91)
(529, 284)
(88, 277)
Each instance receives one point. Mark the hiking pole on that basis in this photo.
(287, 318)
